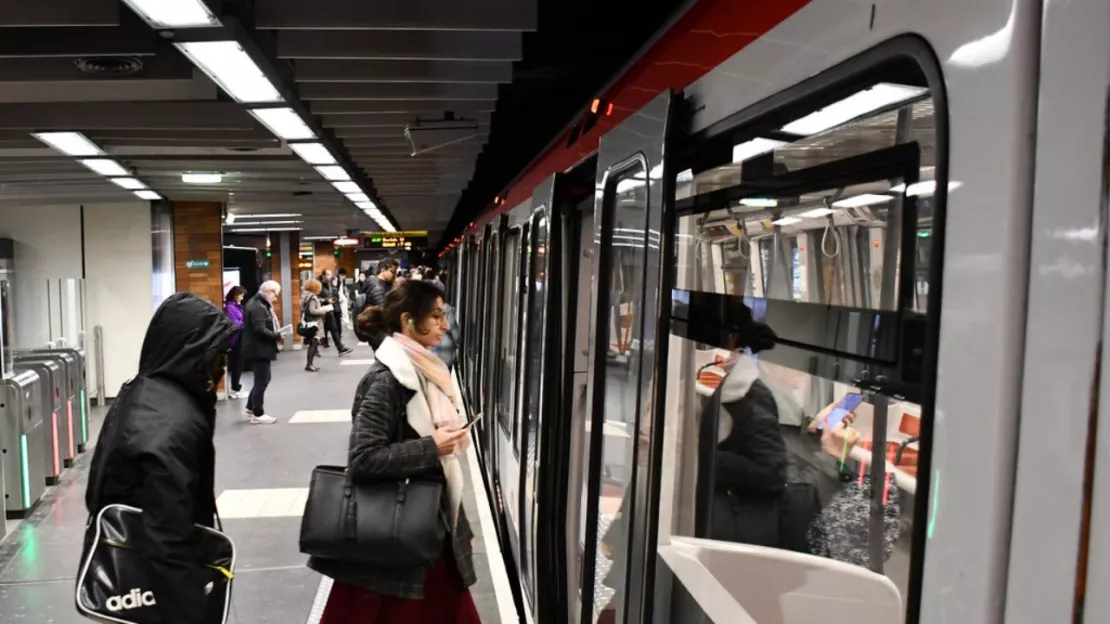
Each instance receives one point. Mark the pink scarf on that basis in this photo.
(439, 388)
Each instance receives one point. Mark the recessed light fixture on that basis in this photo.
(173, 13)
(202, 178)
(786, 221)
(271, 215)
(759, 202)
(865, 199)
(856, 105)
(148, 195)
(756, 147)
(334, 173)
(69, 143)
(346, 187)
(279, 222)
(817, 212)
(358, 197)
(230, 67)
(285, 123)
(104, 166)
(313, 153)
(130, 184)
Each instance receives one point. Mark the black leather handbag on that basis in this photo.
(387, 524)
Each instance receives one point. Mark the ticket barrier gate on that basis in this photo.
(79, 388)
(52, 390)
(22, 451)
(69, 441)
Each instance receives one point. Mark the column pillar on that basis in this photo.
(198, 249)
(284, 263)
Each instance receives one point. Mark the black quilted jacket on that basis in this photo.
(385, 447)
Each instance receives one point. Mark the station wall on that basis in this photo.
(114, 254)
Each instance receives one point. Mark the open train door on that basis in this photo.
(632, 185)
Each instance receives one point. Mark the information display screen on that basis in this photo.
(395, 240)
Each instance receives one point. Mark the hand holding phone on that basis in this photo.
(472, 422)
(847, 404)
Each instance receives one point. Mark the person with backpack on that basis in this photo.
(155, 451)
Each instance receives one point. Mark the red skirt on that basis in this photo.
(445, 601)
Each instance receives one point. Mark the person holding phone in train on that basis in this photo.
(407, 424)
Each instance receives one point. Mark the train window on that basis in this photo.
(510, 308)
(626, 209)
(533, 353)
(774, 421)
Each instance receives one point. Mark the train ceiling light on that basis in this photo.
(860, 103)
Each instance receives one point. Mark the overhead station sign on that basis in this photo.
(417, 239)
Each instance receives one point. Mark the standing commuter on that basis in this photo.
(330, 296)
(260, 346)
(233, 308)
(343, 310)
(312, 316)
(155, 450)
(378, 285)
(406, 424)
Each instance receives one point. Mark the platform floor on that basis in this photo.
(262, 474)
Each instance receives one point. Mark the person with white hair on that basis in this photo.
(261, 335)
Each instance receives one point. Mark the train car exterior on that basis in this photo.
(788, 206)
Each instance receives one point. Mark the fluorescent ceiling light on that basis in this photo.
(358, 197)
(69, 143)
(334, 172)
(313, 153)
(104, 166)
(280, 229)
(817, 212)
(285, 123)
(759, 202)
(753, 148)
(272, 215)
(148, 195)
(202, 178)
(130, 184)
(923, 189)
(173, 13)
(862, 200)
(347, 187)
(786, 221)
(230, 67)
(249, 223)
(366, 205)
(860, 103)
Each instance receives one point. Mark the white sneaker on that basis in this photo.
(236, 395)
(263, 420)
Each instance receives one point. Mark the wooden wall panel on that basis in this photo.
(197, 236)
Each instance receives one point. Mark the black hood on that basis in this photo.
(184, 336)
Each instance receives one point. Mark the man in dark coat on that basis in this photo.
(260, 346)
(155, 450)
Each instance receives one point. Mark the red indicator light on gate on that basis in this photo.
(609, 109)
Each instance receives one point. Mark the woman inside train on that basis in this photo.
(406, 424)
(782, 479)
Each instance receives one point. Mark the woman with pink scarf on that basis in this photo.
(407, 423)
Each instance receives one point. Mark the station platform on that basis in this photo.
(262, 474)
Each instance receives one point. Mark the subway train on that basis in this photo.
(911, 197)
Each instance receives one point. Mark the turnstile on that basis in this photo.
(52, 376)
(22, 450)
(68, 430)
(79, 389)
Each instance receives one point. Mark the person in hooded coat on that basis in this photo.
(155, 450)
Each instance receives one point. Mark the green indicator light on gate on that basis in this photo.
(24, 471)
(84, 419)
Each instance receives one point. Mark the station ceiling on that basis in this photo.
(513, 71)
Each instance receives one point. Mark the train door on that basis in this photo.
(537, 330)
(623, 314)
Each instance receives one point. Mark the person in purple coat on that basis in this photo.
(233, 308)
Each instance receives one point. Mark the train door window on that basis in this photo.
(534, 353)
(510, 307)
(777, 433)
(623, 263)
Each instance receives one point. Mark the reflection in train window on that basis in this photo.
(777, 433)
(626, 208)
(510, 306)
